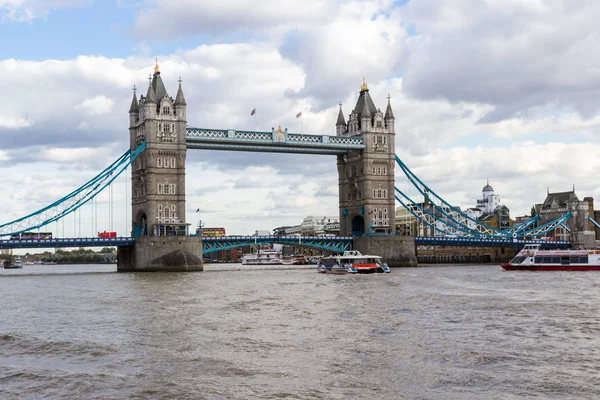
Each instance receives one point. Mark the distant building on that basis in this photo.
(491, 212)
(313, 226)
(582, 231)
(332, 228)
(287, 231)
(406, 222)
(490, 201)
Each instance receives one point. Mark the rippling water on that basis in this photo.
(233, 332)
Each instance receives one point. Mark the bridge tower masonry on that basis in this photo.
(158, 184)
(366, 183)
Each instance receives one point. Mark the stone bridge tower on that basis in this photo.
(158, 174)
(366, 177)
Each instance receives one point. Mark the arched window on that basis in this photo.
(159, 162)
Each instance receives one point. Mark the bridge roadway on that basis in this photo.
(489, 242)
(329, 243)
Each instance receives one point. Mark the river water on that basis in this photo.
(237, 332)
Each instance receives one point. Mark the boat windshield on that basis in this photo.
(518, 260)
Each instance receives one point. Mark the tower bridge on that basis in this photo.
(364, 147)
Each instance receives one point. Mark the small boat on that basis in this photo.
(295, 260)
(532, 258)
(263, 257)
(15, 264)
(351, 262)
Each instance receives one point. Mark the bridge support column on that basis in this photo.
(161, 253)
(396, 250)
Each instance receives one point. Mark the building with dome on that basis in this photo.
(489, 202)
(489, 210)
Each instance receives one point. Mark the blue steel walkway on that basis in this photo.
(66, 242)
(276, 141)
(329, 243)
(491, 242)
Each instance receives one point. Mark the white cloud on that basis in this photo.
(13, 122)
(169, 20)
(512, 55)
(26, 10)
(97, 105)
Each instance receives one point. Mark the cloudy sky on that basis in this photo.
(505, 90)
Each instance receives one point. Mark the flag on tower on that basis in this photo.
(299, 115)
(253, 111)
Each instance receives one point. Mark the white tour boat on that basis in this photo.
(351, 262)
(531, 258)
(263, 257)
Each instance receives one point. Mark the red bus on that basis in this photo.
(107, 235)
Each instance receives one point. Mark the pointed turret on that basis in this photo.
(389, 114)
(150, 95)
(180, 99)
(340, 125)
(134, 103)
(157, 84)
(364, 101)
(340, 119)
(365, 112)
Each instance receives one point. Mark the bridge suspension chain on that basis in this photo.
(430, 219)
(446, 209)
(74, 200)
(457, 222)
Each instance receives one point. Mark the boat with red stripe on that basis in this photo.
(532, 258)
(352, 262)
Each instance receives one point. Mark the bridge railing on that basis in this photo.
(232, 135)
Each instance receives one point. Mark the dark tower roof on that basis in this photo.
(389, 114)
(340, 119)
(150, 96)
(366, 112)
(134, 103)
(561, 198)
(158, 86)
(364, 100)
(180, 99)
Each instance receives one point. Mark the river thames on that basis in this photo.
(237, 332)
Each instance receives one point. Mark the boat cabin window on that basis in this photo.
(518, 260)
(583, 259)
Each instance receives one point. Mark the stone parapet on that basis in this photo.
(396, 250)
(161, 253)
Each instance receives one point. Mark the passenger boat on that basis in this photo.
(351, 262)
(263, 257)
(15, 264)
(295, 260)
(531, 258)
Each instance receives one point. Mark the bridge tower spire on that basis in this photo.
(366, 177)
(158, 174)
